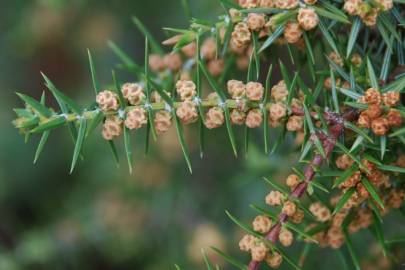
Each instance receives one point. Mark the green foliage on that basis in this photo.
(331, 125)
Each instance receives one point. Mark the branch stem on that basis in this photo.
(336, 127)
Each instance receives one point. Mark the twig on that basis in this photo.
(328, 141)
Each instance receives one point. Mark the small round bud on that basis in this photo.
(133, 93)
(209, 49)
(156, 63)
(321, 212)
(307, 18)
(372, 96)
(274, 259)
(262, 224)
(155, 97)
(352, 181)
(241, 35)
(247, 242)
(112, 128)
(292, 181)
(336, 58)
(286, 237)
(256, 21)
(235, 14)
(352, 6)
(248, 3)
(238, 117)
(299, 138)
(277, 111)
(298, 217)
(295, 123)
(396, 198)
(335, 237)
(163, 121)
(380, 126)
(385, 4)
(292, 32)
(370, 18)
(242, 62)
(344, 162)
(187, 112)
(286, 4)
(214, 118)
(254, 118)
(296, 104)
(254, 91)
(310, 2)
(186, 89)
(374, 111)
(259, 252)
(362, 191)
(216, 67)
(394, 118)
(107, 101)
(236, 89)
(364, 121)
(136, 118)
(189, 50)
(238, 49)
(289, 208)
(356, 60)
(274, 198)
(213, 96)
(391, 98)
(369, 166)
(328, 82)
(279, 92)
(173, 61)
(266, 3)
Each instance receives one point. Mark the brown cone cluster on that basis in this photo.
(381, 115)
(367, 11)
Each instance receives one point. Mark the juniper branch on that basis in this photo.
(38, 120)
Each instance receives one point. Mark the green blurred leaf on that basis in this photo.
(61, 98)
(331, 15)
(229, 259)
(96, 85)
(206, 260)
(276, 34)
(49, 124)
(391, 168)
(350, 247)
(371, 74)
(327, 35)
(154, 44)
(311, 127)
(276, 186)
(373, 192)
(354, 33)
(180, 135)
(128, 150)
(360, 132)
(37, 106)
(79, 142)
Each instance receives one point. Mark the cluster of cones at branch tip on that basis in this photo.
(351, 139)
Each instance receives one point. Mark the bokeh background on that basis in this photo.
(101, 217)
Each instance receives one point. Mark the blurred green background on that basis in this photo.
(100, 217)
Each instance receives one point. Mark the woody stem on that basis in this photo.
(336, 127)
